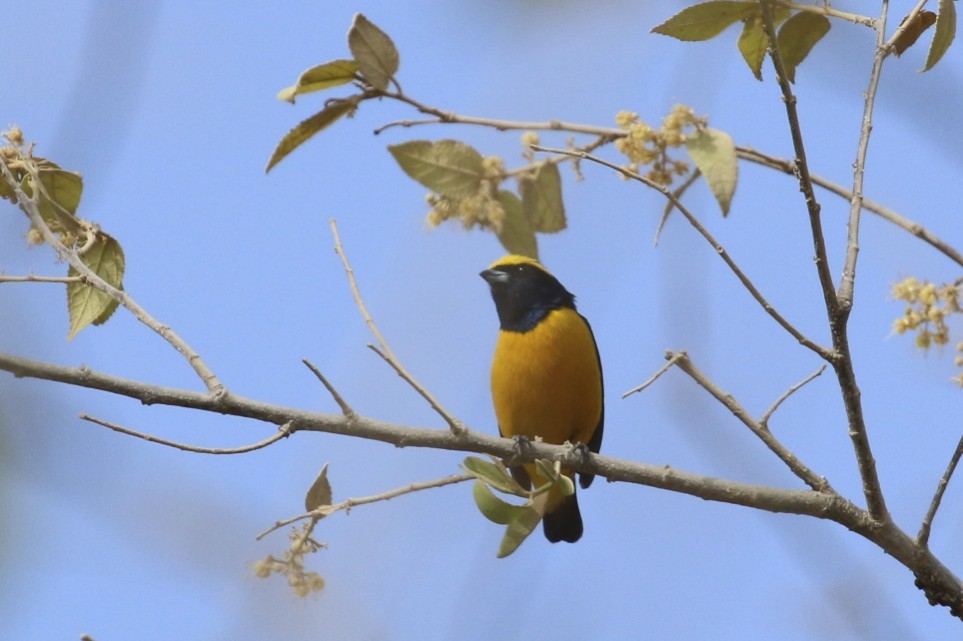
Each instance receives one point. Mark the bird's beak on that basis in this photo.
(493, 277)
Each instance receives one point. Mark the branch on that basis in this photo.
(937, 581)
(442, 116)
(848, 280)
(924, 535)
(283, 432)
(30, 278)
(30, 206)
(813, 480)
(767, 498)
(385, 351)
(826, 10)
(842, 363)
(748, 284)
(802, 166)
(347, 504)
(887, 214)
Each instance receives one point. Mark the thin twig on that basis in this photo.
(842, 362)
(826, 10)
(914, 228)
(848, 280)
(748, 284)
(662, 370)
(442, 116)
(810, 478)
(30, 278)
(610, 134)
(670, 205)
(346, 505)
(345, 408)
(764, 421)
(801, 165)
(923, 537)
(455, 425)
(283, 432)
(30, 206)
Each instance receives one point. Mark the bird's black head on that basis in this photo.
(524, 292)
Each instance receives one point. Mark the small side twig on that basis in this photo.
(346, 409)
(670, 205)
(662, 370)
(385, 352)
(826, 354)
(347, 504)
(764, 421)
(923, 537)
(283, 431)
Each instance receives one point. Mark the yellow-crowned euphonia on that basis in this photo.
(546, 376)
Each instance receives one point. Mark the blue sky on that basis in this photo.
(168, 111)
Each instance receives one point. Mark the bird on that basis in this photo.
(546, 376)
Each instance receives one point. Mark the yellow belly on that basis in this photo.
(546, 382)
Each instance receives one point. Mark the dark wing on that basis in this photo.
(595, 443)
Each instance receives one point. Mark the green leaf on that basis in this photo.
(374, 52)
(448, 167)
(518, 530)
(542, 199)
(319, 494)
(910, 33)
(307, 128)
(330, 74)
(493, 508)
(705, 20)
(714, 154)
(753, 45)
(493, 474)
(567, 485)
(85, 304)
(516, 234)
(945, 32)
(58, 204)
(797, 37)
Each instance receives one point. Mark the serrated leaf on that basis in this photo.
(945, 32)
(516, 234)
(714, 153)
(518, 530)
(60, 197)
(319, 494)
(307, 128)
(796, 38)
(325, 76)
(493, 474)
(374, 52)
(85, 304)
(753, 45)
(448, 167)
(542, 199)
(911, 32)
(705, 20)
(493, 508)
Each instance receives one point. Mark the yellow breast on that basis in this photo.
(547, 382)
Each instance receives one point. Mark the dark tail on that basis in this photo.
(565, 523)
